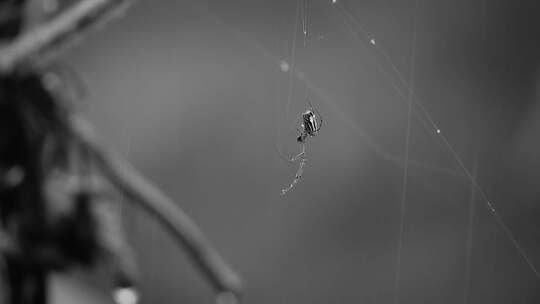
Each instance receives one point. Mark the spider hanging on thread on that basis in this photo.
(310, 126)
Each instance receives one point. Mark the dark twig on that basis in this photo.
(48, 40)
(44, 43)
(132, 184)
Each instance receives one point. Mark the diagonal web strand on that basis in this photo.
(414, 100)
(406, 160)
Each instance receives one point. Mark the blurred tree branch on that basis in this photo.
(48, 40)
(44, 43)
(132, 184)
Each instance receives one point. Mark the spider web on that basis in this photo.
(355, 66)
(452, 165)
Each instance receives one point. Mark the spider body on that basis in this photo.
(309, 127)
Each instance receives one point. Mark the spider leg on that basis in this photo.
(290, 159)
(295, 158)
(301, 154)
(283, 157)
(297, 177)
(321, 120)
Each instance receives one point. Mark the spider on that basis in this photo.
(309, 127)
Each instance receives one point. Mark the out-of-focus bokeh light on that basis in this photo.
(125, 295)
(284, 66)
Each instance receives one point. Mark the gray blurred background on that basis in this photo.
(192, 92)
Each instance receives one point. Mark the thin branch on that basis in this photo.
(134, 186)
(49, 39)
(46, 42)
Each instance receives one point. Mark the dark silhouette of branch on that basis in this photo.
(46, 41)
(132, 184)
